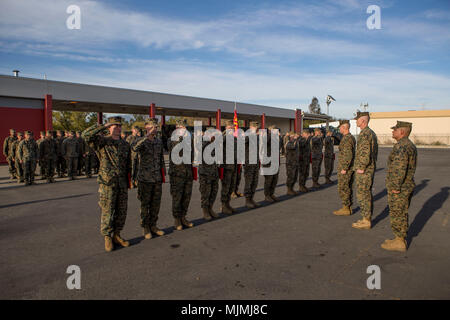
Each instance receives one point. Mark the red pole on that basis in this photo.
(263, 121)
(100, 118)
(152, 110)
(48, 106)
(209, 122)
(163, 120)
(218, 118)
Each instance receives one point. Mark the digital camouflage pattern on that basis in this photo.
(48, 153)
(345, 162)
(292, 153)
(149, 177)
(316, 156)
(229, 170)
(181, 181)
(401, 167)
(28, 156)
(115, 165)
(42, 165)
(9, 155)
(209, 180)
(328, 156)
(365, 159)
(18, 166)
(132, 140)
(271, 181)
(251, 171)
(60, 162)
(71, 151)
(304, 160)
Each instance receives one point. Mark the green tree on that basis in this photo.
(73, 120)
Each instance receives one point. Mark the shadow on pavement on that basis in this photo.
(43, 200)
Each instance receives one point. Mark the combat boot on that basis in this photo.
(328, 181)
(239, 194)
(212, 213)
(226, 209)
(275, 198)
(230, 207)
(234, 195)
(118, 240)
(108, 244)
(249, 203)
(206, 214)
(303, 189)
(316, 185)
(157, 231)
(397, 244)
(344, 211)
(362, 224)
(291, 192)
(185, 222)
(147, 233)
(255, 203)
(177, 224)
(269, 199)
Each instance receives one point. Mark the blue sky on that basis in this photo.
(276, 53)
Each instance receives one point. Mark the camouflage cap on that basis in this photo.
(49, 132)
(115, 120)
(12, 130)
(361, 114)
(20, 134)
(181, 123)
(42, 133)
(272, 127)
(152, 122)
(135, 127)
(341, 122)
(402, 124)
(28, 132)
(254, 124)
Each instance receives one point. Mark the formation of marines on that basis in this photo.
(57, 153)
(137, 161)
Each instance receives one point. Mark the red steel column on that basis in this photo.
(246, 123)
(100, 118)
(218, 118)
(263, 121)
(209, 122)
(163, 120)
(48, 105)
(152, 110)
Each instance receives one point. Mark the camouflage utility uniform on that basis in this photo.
(317, 155)
(9, 155)
(328, 161)
(48, 155)
(304, 160)
(345, 162)
(28, 155)
(292, 153)
(71, 151)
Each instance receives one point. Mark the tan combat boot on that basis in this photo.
(230, 207)
(269, 199)
(362, 224)
(185, 222)
(275, 198)
(303, 189)
(239, 194)
(157, 231)
(206, 214)
(397, 244)
(177, 224)
(118, 240)
(234, 195)
(249, 203)
(147, 233)
(291, 192)
(255, 203)
(344, 211)
(212, 213)
(226, 209)
(108, 244)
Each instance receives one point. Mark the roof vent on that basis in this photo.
(16, 73)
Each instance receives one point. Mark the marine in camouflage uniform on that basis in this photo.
(401, 167)
(292, 154)
(15, 151)
(60, 161)
(365, 161)
(181, 181)
(89, 159)
(251, 170)
(345, 168)
(41, 164)
(328, 156)
(81, 155)
(229, 170)
(316, 156)
(115, 167)
(304, 146)
(28, 156)
(7, 152)
(149, 178)
(47, 155)
(209, 182)
(132, 140)
(71, 151)
(270, 181)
